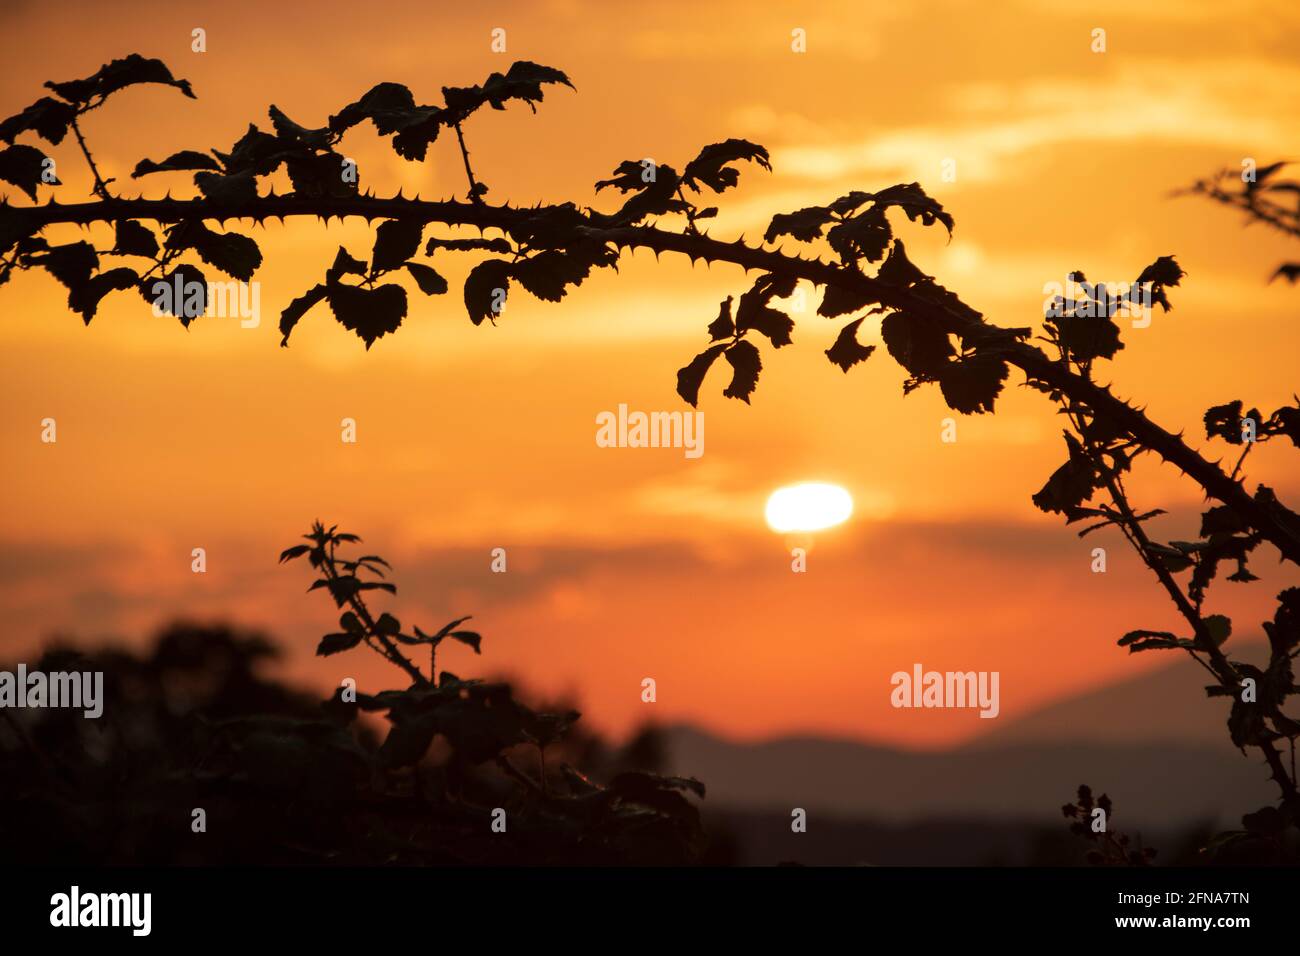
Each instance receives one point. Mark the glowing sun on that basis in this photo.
(808, 506)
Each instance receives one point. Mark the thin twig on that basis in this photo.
(475, 193)
(101, 184)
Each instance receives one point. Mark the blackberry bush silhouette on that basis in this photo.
(847, 247)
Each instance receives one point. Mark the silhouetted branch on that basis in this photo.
(1279, 525)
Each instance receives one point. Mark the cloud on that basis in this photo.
(1239, 104)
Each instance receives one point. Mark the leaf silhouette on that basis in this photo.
(388, 105)
(847, 350)
(866, 235)
(629, 176)
(396, 240)
(370, 313)
(753, 312)
(723, 327)
(337, 643)
(133, 239)
(546, 274)
(746, 364)
(236, 255)
(23, 166)
(49, 118)
(486, 288)
(898, 270)
(711, 167)
(427, 278)
(344, 264)
(1224, 421)
(85, 298)
(299, 307)
(72, 263)
(233, 188)
(523, 81)
(1071, 484)
(651, 198)
(256, 152)
(498, 245)
(838, 300)
(117, 75)
(972, 383)
(1287, 270)
(917, 342)
(912, 199)
(193, 300)
(803, 224)
(186, 159)
(286, 128)
(690, 377)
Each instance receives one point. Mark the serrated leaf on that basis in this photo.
(802, 224)
(497, 245)
(711, 167)
(912, 199)
(1218, 627)
(486, 289)
(235, 255)
(866, 235)
(723, 327)
(370, 313)
(1071, 484)
(24, 167)
(84, 299)
(387, 105)
(898, 270)
(971, 384)
(299, 307)
(396, 240)
(917, 342)
(286, 128)
(47, 117)
(117, 75)
(548, 274)
(71, 263)
(847, 350)
(344, 264)
(237, 187)
(744, 360)
(523, 81)
(840, 301)
(1224, 421)
(133, 239)
(193, 300)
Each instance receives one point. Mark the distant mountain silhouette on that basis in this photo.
(1152, 742)
(1159, 706)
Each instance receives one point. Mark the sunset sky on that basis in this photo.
(634, 563)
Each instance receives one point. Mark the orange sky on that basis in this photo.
(633, 563)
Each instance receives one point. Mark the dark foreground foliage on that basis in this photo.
(284, 778)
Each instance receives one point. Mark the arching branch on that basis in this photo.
(1280, 526)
